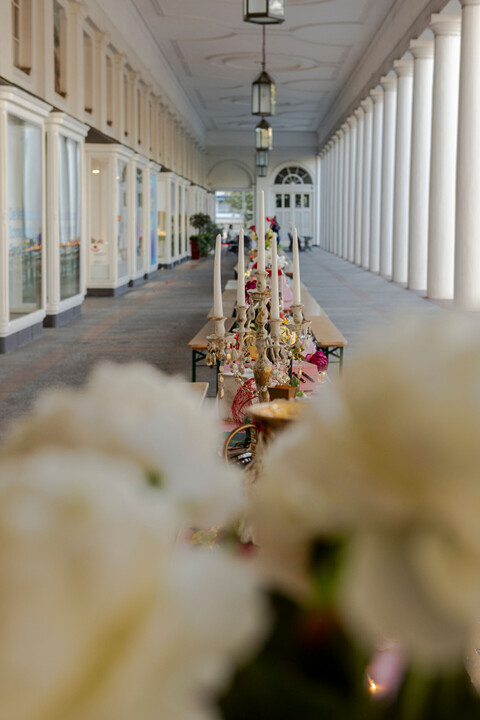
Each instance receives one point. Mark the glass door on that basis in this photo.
(294, 208)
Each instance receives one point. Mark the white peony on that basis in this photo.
(101, 616)
(282, 260)
(389, 459)
(135, 412)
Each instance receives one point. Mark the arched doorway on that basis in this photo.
(293, 200)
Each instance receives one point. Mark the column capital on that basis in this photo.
(403, 68)
(352, 121)
(102, 38)
(465, 3)
(445, 24)
(367, 105)
(340, 133)
(345, 128)
(422, 49)
(77, 7)
(359, 114)
(377, 94)
(389, 83)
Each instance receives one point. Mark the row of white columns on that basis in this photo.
(400, 178)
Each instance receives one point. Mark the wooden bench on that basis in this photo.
(328, 338)
(229, 298)
(199, 344)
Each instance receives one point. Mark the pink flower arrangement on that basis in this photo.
(319, 359)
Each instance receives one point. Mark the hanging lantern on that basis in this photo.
(264, 95)
(263, 136)
(262, 171)
(264, 11)
(261, 158)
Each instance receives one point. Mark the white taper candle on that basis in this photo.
(261, 234)
(297, 296)
(274, 306)
(217, 280)
(241, 270)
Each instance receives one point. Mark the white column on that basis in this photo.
(357, 249)
(467, 245)
(403, 156)
(332, 195)
(328, 197)
(324, 200)
(376, 203)
(328, 188)
(346, 190)
(352, 121)
(441, 240)
(367, 106)
(336, 236)
(422, 51)
(389, 84)
(341, 151)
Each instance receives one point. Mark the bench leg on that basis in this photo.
(341, 360)
(194, 366)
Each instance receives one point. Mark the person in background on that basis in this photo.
(276, 228)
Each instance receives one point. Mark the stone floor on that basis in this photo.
(155, 321)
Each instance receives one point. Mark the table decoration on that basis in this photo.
(263, 340)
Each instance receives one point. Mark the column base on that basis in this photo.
(62, 318)
(20, 338)
(107, 292)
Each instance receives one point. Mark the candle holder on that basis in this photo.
(274, 349)
(219, 345)
(301, 327)
(263, 367)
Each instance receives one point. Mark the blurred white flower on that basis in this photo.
(101, 616)
(388, 459)
(136, 412)
(282, 260)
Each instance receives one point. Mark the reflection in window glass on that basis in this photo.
(122, 219)
(286, 202)
(153, 219)
(278, 201)
(306, 201)
(69, 216)
(172, 217)
(139, 217)
(59, 51)
(24, 216)
(298, 201)
(180, 190)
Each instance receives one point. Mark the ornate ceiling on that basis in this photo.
(216, 56)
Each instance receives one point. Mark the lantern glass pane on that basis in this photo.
(263, 137)
(264, 11)
(277, 8)
(261, 158)
(261, 172)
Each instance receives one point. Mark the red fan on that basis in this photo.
(246, 396)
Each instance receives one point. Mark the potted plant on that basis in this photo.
(204, 240)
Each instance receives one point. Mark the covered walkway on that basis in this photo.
(155, 321)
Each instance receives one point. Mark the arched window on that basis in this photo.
(293, 176)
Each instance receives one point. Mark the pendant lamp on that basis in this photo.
(263, 136)
(264, 11)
